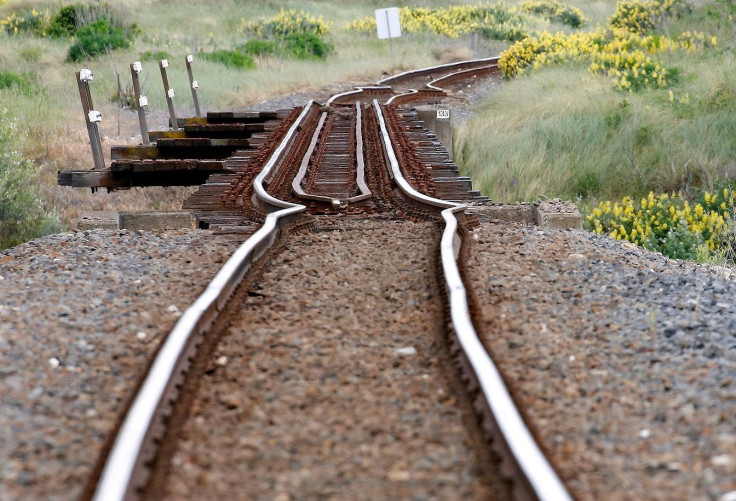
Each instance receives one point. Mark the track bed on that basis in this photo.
(309, 395)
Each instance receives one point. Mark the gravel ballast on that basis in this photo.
(80, 314)
(623, 361)
(335, 383)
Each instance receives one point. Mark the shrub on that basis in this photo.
(257, 47)
(492, 21)
(286, 22)
(555, 10)
(290, 33)
(64, 23)
(230, 58)
(27, 21)
(97, 38)
(22, 216)
(154, 55)
(622, 54)
(306, 46)
(668, 223)
(22, 82)
(642, 17)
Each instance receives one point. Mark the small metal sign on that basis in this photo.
(388, 23)
(443, 114)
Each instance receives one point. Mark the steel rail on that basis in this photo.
(437, 83)
(413, 95)
(442, 67)
(364, 191)
(359, 91)
(159, 386)
(541, 480)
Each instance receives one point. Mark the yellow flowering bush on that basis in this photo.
(497, 21)
(554, 10)
(27, 21)
(667, 222)
(621, 51)
(286, 22)
(296, 33)
(641, 17)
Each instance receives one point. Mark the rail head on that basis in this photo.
(396, 174)
(357, 92)
(440, 67)
(120, 477)
(364, 192)
(538, 479)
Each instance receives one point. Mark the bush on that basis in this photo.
(64, 24)
(495, 21)
(32, 21)
(289, 33)
(306, 46)
(154, 55)
(98, 38)
(22, 216)
(257, 47)
(668, 223)
(23, 83)
(230, 58)
(555, 10)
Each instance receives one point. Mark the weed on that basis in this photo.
(22, 215)
(229, 58)
(98, 38)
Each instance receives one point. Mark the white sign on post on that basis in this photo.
(388, 23)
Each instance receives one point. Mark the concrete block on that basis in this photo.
(510, 213)
(103, 220)
(557, 214)
(157, 220)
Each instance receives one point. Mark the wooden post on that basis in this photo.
(142, 101)
(194, 85)
(163, 64)
(91, 117)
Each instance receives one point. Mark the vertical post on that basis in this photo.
(135, 69)
(194, 85)
(163, 64)
(91, 117)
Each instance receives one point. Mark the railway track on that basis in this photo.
(353, 158)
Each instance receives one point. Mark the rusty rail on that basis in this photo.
(363, 190)
(125, 470)
(534, 477)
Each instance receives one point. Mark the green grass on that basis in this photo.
(561, 132)
(51, 113)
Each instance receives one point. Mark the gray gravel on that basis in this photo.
(623, 361)
(80, 314)
(333, 383)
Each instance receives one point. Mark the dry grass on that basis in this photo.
(53, 115)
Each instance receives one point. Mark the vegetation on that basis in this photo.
(98, 38)
(603, 100)
(230, 58)
(554, 10)
(22, 215)
(670, 224)
(290, 33)
(499, 21)
(646, 104)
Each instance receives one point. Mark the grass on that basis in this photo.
(56, 136)
(561, 132)
(556, 132)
